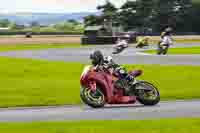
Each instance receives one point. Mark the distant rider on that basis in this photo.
(143, 42)
(166, 41)
(123, 41)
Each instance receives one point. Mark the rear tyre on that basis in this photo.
(93, 99)
(148, 97)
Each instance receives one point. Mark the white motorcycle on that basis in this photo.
(120, 46)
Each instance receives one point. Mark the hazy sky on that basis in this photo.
(11, 6)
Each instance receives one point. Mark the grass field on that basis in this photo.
(36, 46)
(190, 50)
(142, 126)
(40, 39)
(26, 82)
(74, 39)
(177, 39)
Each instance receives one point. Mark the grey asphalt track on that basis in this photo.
(124, 112)
(128, 56)
(182, 109)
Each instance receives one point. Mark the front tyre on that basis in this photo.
(93, 99)
(147, 93)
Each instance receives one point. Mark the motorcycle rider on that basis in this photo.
(166, 41)
(143, 42)
(123, 41)
(101, 62)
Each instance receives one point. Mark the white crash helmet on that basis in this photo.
(126, 36)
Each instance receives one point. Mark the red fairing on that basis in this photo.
(90, 78)
(104, 80)
(84, 76)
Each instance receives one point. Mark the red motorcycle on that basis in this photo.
(99, 87)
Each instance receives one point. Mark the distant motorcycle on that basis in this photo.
(99, 87)
(143, 42)
(120, 46)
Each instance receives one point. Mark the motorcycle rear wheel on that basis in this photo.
(93, 99)
(147, 97)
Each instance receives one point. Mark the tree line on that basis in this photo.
(181, 15)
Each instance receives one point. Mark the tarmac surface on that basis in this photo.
(182, 109)
(130, 55)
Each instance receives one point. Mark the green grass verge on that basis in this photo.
(190, 50)
(179, 41)
(26, 82)
(187, 40)
(37, 46)
(142, 126)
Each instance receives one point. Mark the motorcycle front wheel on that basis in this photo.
(147, 93)
(93, 99)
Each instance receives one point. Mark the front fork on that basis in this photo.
(93, 86)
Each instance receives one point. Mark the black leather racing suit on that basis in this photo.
(117, 70)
